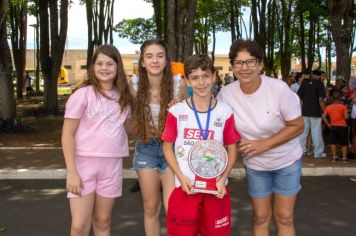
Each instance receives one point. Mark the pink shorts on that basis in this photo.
(203, 213)
(100, 174)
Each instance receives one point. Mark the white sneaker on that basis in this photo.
(322, 155)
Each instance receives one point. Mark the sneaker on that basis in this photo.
(309, 153)
(322, 155)
(344, 161)
(353, 179)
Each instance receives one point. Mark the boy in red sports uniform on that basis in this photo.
(200, 117)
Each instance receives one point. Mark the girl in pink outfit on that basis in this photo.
(95, 141)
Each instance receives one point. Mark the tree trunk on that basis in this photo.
(8, 108)
(158, 17)
(311, 43)
(302, 37)
(38, 57)
(341, 28)
(171, 32)
(189, 30)
(51, 58)
(271, 20)
(214, 42)
(284, 37)
(100, 15)
(91, 42)
(232, 21)
(180, 24)
(18, 23)
(254, 18)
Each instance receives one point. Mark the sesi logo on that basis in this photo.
(195, 134)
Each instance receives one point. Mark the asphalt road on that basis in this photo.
(326, 206)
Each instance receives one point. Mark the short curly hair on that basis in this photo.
(251, 46)
(197, 61)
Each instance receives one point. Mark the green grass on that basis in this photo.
(64, 91)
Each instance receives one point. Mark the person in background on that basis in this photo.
(228, 79)
(95, 141)
(312, 97)
(338, 133)
(298, 81)
(345, 95)
(28, 85)
(217, 83)
(323, 77)
(268, 118)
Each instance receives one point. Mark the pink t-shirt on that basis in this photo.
(262, 114)
(182, 129)
(101, 131)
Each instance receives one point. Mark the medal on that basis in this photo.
(207, 159)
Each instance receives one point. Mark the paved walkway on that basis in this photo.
(325, 206)
(48, 163)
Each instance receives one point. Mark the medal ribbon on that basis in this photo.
(204, 135)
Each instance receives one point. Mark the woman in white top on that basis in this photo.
(268, 118)
(153, 93)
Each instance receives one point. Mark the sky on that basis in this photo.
(124, 9)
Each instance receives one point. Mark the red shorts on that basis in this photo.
(202, 213)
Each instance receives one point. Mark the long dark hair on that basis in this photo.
(143, 120)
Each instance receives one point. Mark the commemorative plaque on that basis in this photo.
(207, 160)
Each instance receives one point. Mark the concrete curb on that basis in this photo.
(131, 174)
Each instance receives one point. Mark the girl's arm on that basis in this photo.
(74, 182)
(172, 162)
(232, 156)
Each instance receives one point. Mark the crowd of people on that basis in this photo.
(253, 117)
(328, 111)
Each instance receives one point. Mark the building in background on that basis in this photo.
(74, 60)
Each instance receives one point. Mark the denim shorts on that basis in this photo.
(150, 156)
(285, 181)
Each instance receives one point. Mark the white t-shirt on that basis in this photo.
(262, 114)
(101, 131)
(295, 87)
(182, 129)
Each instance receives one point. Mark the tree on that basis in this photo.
(210, 18)
(341, 19)
(18, 23)
(100, 16)
(33, 10)
(52, 42)
(136, 30)
(177, 16)
(284, 37)
(8, 109)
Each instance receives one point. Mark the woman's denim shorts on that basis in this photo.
(149, 156)
(285, 181)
